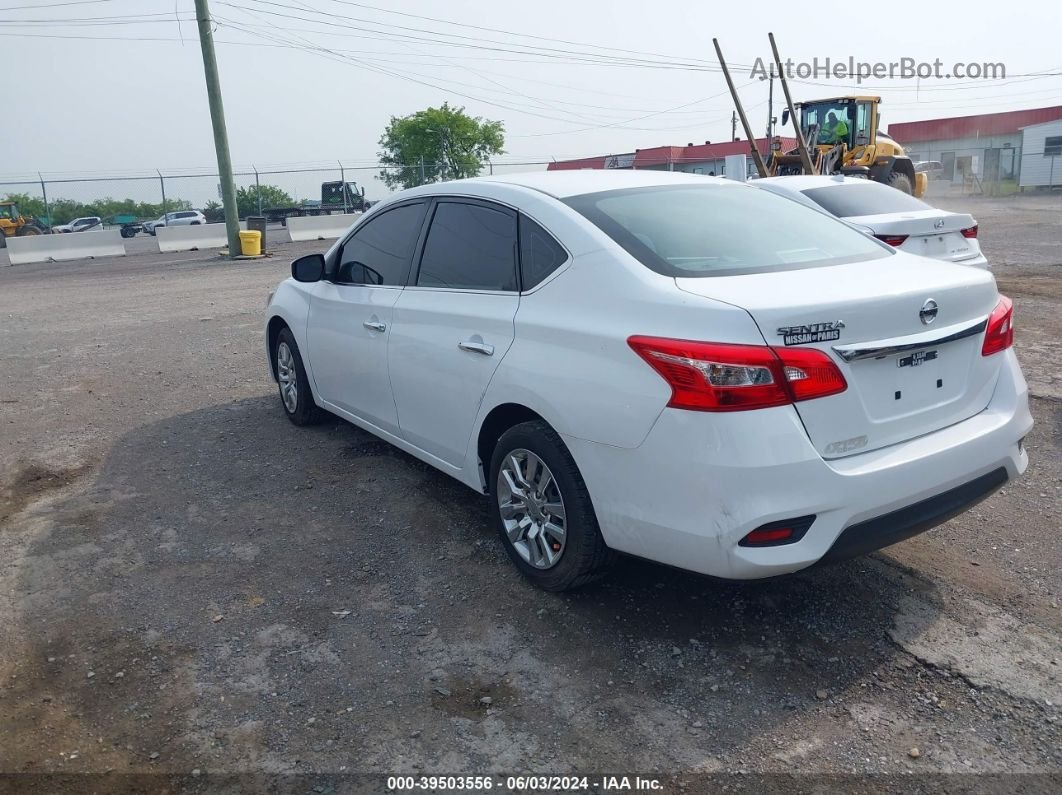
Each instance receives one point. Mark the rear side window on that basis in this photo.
(540, 254)
(864, 198)
(722, 230)
(470, 247)
(380, 250)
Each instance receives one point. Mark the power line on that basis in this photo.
(35, 6)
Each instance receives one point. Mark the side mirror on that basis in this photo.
(309, 268)
(785, 117)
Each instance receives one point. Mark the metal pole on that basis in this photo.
(761, 169)
(217, 118)
(442, 172)
(44, 192)
(805, 156)
(733, 125)
(162, 184)
(1051, 178)
(342, 186)
(422, 177)
(257, 188)
(770, 111)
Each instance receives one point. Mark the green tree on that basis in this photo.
(447, 141)
(272, 196)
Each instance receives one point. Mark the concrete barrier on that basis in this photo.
(320, 227)
(194, 237)
(61, 248)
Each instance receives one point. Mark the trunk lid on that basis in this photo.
(930, 233)
(906, 378)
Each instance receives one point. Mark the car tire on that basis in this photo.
(902, 182)
(556, 498)
(294, 386)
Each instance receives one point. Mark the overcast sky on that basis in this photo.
(115, 87)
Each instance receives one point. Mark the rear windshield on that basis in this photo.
(719, 230)
(864, 198)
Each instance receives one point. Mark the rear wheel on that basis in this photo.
(29, 229)
(900, 181)
(543, 511)
(295, 395)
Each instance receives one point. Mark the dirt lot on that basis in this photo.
(190, 583)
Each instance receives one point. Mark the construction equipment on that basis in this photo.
(13, 223)
(840, 135)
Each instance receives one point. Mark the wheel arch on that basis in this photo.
(273, 328)
(497, 421)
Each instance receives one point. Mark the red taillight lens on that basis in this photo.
(713, 376)
(1000, 333)
(892, 240)
(970, 231)
(767, 536)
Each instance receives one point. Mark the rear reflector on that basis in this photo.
(892, 240)
(1000, 333)
(774, 534)
(970, 231)
(715, 376)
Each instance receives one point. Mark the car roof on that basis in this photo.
(562, 184)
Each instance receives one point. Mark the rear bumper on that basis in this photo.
(891, 528)
(700, 482)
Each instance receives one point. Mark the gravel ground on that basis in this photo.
(190, 583)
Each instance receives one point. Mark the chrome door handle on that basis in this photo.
(477, 347)
(375, 325)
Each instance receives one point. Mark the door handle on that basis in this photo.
(477, 347)
(375, 325)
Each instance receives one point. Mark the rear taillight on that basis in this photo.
(714, 376)
(970, 231)
(892, 240)
(1000, 333)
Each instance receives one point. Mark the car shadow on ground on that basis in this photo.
(234, 592)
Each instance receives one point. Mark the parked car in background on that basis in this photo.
(892, 216)
(80, 224)
(933, 169)
(178, 218)
(678, 367)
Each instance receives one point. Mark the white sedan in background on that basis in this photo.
(634, 361)
(892, 216)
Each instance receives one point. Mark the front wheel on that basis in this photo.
(294, 386)
(543, 511)
(902, 182)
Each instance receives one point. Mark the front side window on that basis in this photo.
(469, 247)
(722, 230)
(380, 250)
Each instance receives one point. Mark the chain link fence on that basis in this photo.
(57, 198)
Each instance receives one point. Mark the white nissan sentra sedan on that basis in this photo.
(671, 366)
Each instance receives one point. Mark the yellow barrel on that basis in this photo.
(251, 242)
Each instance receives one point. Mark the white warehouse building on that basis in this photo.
(1041, 155)
(987, 147)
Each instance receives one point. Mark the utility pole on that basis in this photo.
(221, 137)
(770, 112)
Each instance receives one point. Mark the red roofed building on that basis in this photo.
(706, 158)
(987, 145)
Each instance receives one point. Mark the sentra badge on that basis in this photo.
(812, 332)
